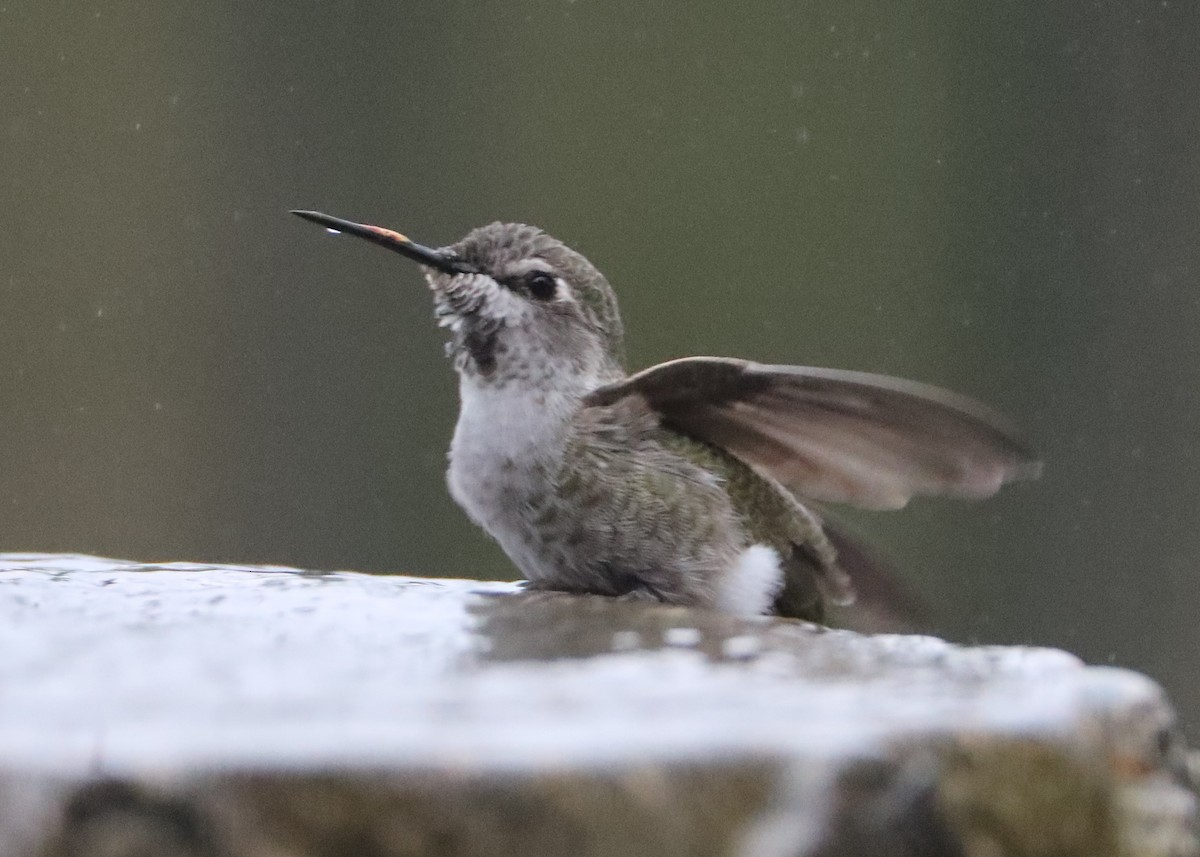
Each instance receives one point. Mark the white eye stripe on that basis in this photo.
(524, 267)
(562, 294)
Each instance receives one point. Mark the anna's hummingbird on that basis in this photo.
(689, 482)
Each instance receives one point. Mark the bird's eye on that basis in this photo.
(541, 285)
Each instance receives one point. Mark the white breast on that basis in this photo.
(505, 447)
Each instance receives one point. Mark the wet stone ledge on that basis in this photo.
(261, 712)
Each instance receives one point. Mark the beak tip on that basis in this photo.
(387, 238)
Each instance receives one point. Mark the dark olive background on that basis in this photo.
(1002, 198)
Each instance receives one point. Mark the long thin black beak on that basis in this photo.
(393, 241)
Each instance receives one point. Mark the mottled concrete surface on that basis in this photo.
(196, 710)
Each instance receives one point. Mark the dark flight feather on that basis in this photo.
(835, 435)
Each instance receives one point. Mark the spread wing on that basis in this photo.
(835, 435)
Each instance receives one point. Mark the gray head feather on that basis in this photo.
(498, 247)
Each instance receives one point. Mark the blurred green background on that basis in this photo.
(1001, 198)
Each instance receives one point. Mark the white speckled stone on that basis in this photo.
(175, 680)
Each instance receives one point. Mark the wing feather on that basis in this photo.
(835, 435)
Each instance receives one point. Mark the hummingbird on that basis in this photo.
(700, 481)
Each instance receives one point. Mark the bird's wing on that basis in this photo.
(835, 435)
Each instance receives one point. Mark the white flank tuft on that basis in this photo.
(750, 587)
